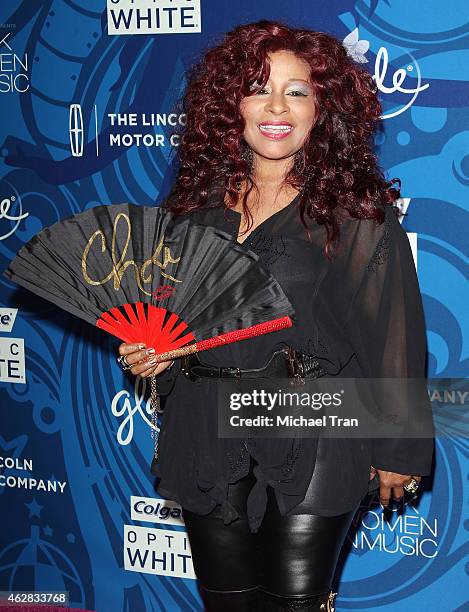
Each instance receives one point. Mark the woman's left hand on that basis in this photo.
(390, 485)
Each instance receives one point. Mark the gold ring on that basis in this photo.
(411, 486)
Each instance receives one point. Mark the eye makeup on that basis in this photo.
(303, 89)
(302, 86)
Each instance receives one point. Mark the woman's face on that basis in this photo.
(279, 117)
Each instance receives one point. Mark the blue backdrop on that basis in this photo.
(87, 105)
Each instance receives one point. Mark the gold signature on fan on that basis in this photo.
(120, 265)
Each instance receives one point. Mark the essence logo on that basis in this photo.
(7, 319)
(357, 48)
(13, 69)
(398, 78)
(6, 215)
(153, 16)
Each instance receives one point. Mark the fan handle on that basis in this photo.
(233, 336)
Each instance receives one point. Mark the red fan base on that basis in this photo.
(132, 324)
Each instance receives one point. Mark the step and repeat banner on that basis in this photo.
(88, 90)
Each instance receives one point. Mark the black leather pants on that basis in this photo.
(288, 564)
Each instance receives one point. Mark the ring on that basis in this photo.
(411, 486)
(122, 361)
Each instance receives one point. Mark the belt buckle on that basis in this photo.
(231, 373)
(294, 367)
(186, 368)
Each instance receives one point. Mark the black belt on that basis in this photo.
(284, 363)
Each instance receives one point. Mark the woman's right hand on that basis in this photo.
(141, 359)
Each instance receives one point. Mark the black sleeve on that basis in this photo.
(386, 323)
(165, 381)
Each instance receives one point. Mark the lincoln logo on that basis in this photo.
(76, 130)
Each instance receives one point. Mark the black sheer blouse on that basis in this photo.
(360, 316)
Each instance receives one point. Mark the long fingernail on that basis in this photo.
(150, 351)
(141, 345)
(152, 361)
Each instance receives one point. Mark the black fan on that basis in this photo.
(144, 276)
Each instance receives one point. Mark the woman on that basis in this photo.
(277, 152)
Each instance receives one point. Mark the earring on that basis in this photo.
(248, 156)
(299, 163)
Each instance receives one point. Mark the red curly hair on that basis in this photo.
(341, 170)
